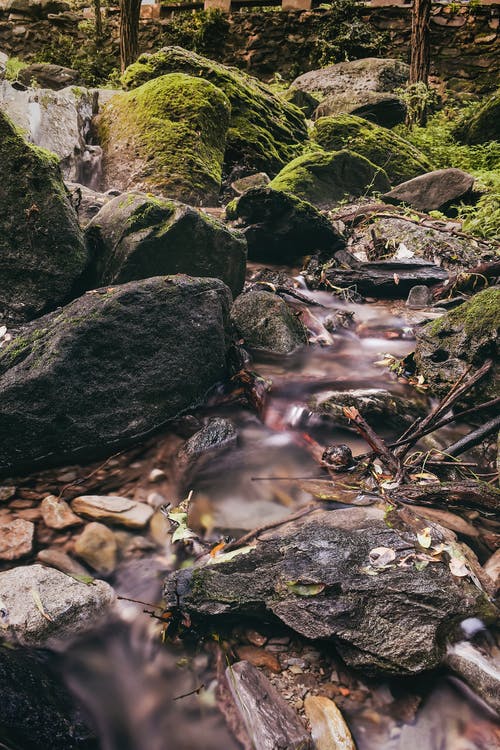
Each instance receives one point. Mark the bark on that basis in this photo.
(129, 32)
(98, 20)
(420, 58)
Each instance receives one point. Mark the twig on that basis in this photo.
(196, 691)
(267, 526)
(374, 441)
(473, 438)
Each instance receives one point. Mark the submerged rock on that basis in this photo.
(136, 236)
(265, 321)
(376, 405)
(218, 434)
(434, 191)
(319, 577)
(98, 547)
(111, 366)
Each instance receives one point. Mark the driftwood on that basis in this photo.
(385, 278)
(473, 438)
(444, 494)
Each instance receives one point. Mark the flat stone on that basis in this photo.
(16, 539)
(42, 603)
(97, 547)
(57, 514)
(56, 558)
(433, 191)
(115, 510)
(328, 728)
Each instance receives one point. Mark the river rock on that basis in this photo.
(16, 539)
(484, 124)
(317, 576)
(57, 514)
(281, 228)
(260, 179)
(480, 672)
(41, 246)
(53, 557)
(377, 107)
(325, 178)
(462, 338)
(218, 434)
(419, 297)
(42, 603)
(136, 236)
(399, 159)
(48, 76)
(376, 405)
(168, 137)
(434, 191)
(115, 510)
(98, 547)
(265, 321)
(328, 728)
(109, 367)
(3, 64)
(265, 131)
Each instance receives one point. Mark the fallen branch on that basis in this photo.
(374, 441)
(477, 494)
(473, 438)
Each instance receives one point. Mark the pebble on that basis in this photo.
(6, 493)
(156, 475)
(57, 514)
(160, 528)
(16, 539)
(419, 296)
(328, 728)
(115, 510)
(55, 558)
(29, 514)
(98, 548)
(67, 476)
(259, 657)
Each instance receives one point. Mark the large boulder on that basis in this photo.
(265, 131)
(435, 191)
(281, 228)
(349, 576)
(111, 366)
(484, 125)
(167, 136)
(137, 236)
(48, 76)
(42, 252)
(400, 160)
(327, 178)
(378, 107)
(461, 339)
(265, 321)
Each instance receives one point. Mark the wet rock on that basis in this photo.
(136, 236)
(315, 575)
(41, 247)
(6, 493)
(98, 547)
(434, 191)
(48, 76)
(260, 179)
(16, 539)
(463, 337)
(419, 297)
(484, 125)
(378, 107)
(265, 321)
(113, 365)
(217, 434)
(56, 558)
(280, 228)
(57, 514)
(376, 405)
(115, 510)
(41, 604)
(480, 672)
(325, 179)
(86, 202)
(328, 728)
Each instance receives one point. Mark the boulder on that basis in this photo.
(110, 367)
(167, 136)
(88, 202)
(136, 236)
(48, 76)
(281, 228)
(462, 338)
(378, 107)
(42, 252)
(484, 125)
(376, 405)
(344, 576)
(265, 321)
(327, 178)
(3, 64)
(259, 179)
(400, 160)
(265, 131)
(35, 9)
(435, 191)
(41, 604)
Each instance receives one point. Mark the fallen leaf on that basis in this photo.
(381, 556)
(458, 567)
(39, 605)
(227, 556)
(424, 538)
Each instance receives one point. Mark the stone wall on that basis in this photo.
(465, 42)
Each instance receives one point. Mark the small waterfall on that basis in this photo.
(89, 167)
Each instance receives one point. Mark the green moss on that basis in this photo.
(13, 67)
(483, 125)
(400, 160)
(479, 316)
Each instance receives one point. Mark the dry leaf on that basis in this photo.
(424, 538)
(381, 556)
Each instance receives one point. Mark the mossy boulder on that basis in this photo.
(484, 125)
(167, 136)
(400, 160)
(378, 107)
(281, 228)
(462, 338)
(136, 236)
(109, 368)
(354, 77)
(42, 252)
(265, 321)
(265, 131)
(327, 178)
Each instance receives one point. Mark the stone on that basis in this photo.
(328, 727)
(136, 236)
(97, 547)
(400, 160)
(376, 405)
(6, 493)
(419, 297)
(48, 76)
(87, 202)
(3, 64)
(53, 557)
(108, 368)
(327, 178)
(115, 510)
(57, 514)
(259, 657)
(16, 539)
(481, 673)
(492, 568)
(260, 179)
(218, 434)
(42, 604)
(483, 125)
(168, 137)
(434, 191)
(265, 321)
(265, 131)
(377, 107)
(315, 575)
(281, 228)
(41, 246)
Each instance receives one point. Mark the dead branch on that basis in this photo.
(374, 441)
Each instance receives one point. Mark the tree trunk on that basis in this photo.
(98, 21)
(129, 32)
(420, 58)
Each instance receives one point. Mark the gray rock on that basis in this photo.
(136, 236)
(16, 539)
(54, 557)
(358, 76)
(110, 367)
(217, 434)
(419, 297)
(49, 76)
(434, 191)
(379, 107)
(316, 575)
(3, 64)
(260, 179)
(265, 321)
(115, 510)
(98, 547)
(43, 604)
(87, 202)
(376, 405)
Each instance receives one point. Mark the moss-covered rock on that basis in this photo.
(42, 252)
(168, 135)
(136, 236)
(326, 178)
(400, 160)
(484, 125)
(265, 321)
(265, 131)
